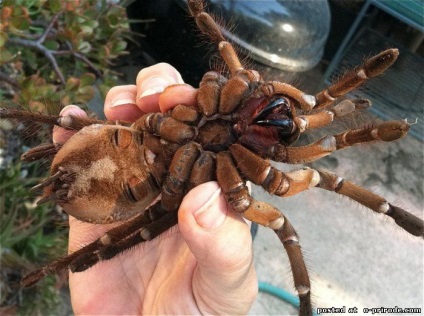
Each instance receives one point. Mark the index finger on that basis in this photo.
(159, 88)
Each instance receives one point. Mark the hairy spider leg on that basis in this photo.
(386, 131)
(290, 240)
(44, 151)
(203, 170)
(165, 127)
(260, 172)
(209, 95)
(82, 259)
(72, 122)
(142, 234)
(372, 67)
(241, 83)
(304, 101)
(275, 182)
(207, 25)
(237, 195)
(409, 222)
(173, 188)
(326, 117)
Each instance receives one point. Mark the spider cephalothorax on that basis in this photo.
(266, 122)
(106, 173)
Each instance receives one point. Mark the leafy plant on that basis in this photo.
(25, 238)
(51, 52)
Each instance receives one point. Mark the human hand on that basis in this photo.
(202, 265)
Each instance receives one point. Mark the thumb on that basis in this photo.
(60, 134)
(224, 281)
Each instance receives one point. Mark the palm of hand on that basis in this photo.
(163, 276)
(134, 282)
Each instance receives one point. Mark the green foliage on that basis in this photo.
(51, 52)
(25, 239)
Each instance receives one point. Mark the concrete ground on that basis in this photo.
(356, 258)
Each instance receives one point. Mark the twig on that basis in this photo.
(78, 56)
(88, 62)
(49, 27)
(38, 45)
(46, 52)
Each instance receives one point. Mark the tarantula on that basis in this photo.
(239, 124)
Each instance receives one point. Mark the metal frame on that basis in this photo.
(382, 5)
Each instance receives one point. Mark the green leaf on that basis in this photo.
(55, 5)
(72, 84)
(113, 21)
(66, 100)
(46, 90)
(87, 79)
(85, 94)
(5, 56)
(51, 44)
(86, 29)
(20, 23)
(30, 58)
(87, 91)
(84, 47)
(3, 38)
(104, 53)
(119, 46)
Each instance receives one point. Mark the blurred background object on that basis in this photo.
(288, 35)
(378, 25)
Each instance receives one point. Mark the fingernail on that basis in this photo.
(122, 98)
(67, 108)
(121, 102)
(152, 86)
(211, 214)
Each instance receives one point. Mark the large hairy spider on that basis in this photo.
(240, 123)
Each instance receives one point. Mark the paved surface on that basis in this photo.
(356, 258)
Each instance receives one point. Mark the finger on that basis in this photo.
(120, 104)
(151, 81)
(177, 94)
(60, 134)
(221, 242)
